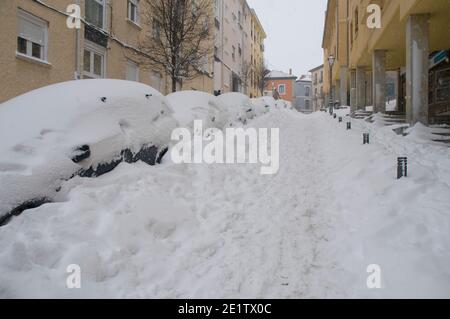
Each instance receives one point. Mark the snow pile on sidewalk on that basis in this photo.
(40, 131)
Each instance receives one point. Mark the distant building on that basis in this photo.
(303, 94)
(318, 99)
(280, 84)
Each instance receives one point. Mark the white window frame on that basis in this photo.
(103, 3)
(39, 23)
(135, 66)
(94, 48)
(136, 13)
(284, 89)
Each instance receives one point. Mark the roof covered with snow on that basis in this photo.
(305, 78)
(280, 75)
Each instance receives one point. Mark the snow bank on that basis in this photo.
(238, 106)
(41, 129)
(263, 104)
(225, 231)
(282, 104)
(189, 106)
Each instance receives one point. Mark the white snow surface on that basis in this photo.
(225, 231)
(263, 104)
(40, 130)
(189, 106)
(238, 106)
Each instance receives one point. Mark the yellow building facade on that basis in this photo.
(258, 35)
(403, 59)
(37, 48)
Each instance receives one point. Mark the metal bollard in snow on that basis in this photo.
(340, 119)
(349, 125)
(402, 167)
(366, 138)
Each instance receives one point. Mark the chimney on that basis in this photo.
(290, 71)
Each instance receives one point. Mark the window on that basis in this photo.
(356, 22)
(94, 61)
(351, 34)
(156, 80)
(133, 11)
(156, 29)
(32, 36)
(443, 86)
(233, 54)
(132, 71)
(282, 89)
(307, 104)
(321, 77)
(95, 12)
(307, 90)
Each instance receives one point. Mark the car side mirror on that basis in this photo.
(81, 153)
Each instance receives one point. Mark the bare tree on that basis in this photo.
(261, 76)
(178, 41)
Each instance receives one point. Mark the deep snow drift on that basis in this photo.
(183, 231)
(41, 130)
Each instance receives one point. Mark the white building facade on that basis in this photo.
(232, 48)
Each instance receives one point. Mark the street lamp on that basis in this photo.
(331, 60)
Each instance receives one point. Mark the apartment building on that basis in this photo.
(317, 82)
(37, 48)
(258, 35)
(237, 34)
(302, 94)
(403, 66)
(280, 85)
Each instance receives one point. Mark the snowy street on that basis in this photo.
(225, 231)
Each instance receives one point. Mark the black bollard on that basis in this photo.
(340, 119)
(402, 167)
(334, 115)
(366, 138)
(349, 125)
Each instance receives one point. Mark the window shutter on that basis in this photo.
(31, 31)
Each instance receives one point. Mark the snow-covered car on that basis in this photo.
(83, 128)
(189, 106)
(238, 106)
(263, 104)
(282, 104)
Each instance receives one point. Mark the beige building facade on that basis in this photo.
(258, 35)
(317, 82)
(37, 48)
(405, 58)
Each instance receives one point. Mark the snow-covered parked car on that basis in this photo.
(238, 106)
(282, 104)
(189, 106)
(263, 104)
(83, 128)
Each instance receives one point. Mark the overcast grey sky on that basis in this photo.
(294, 33)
